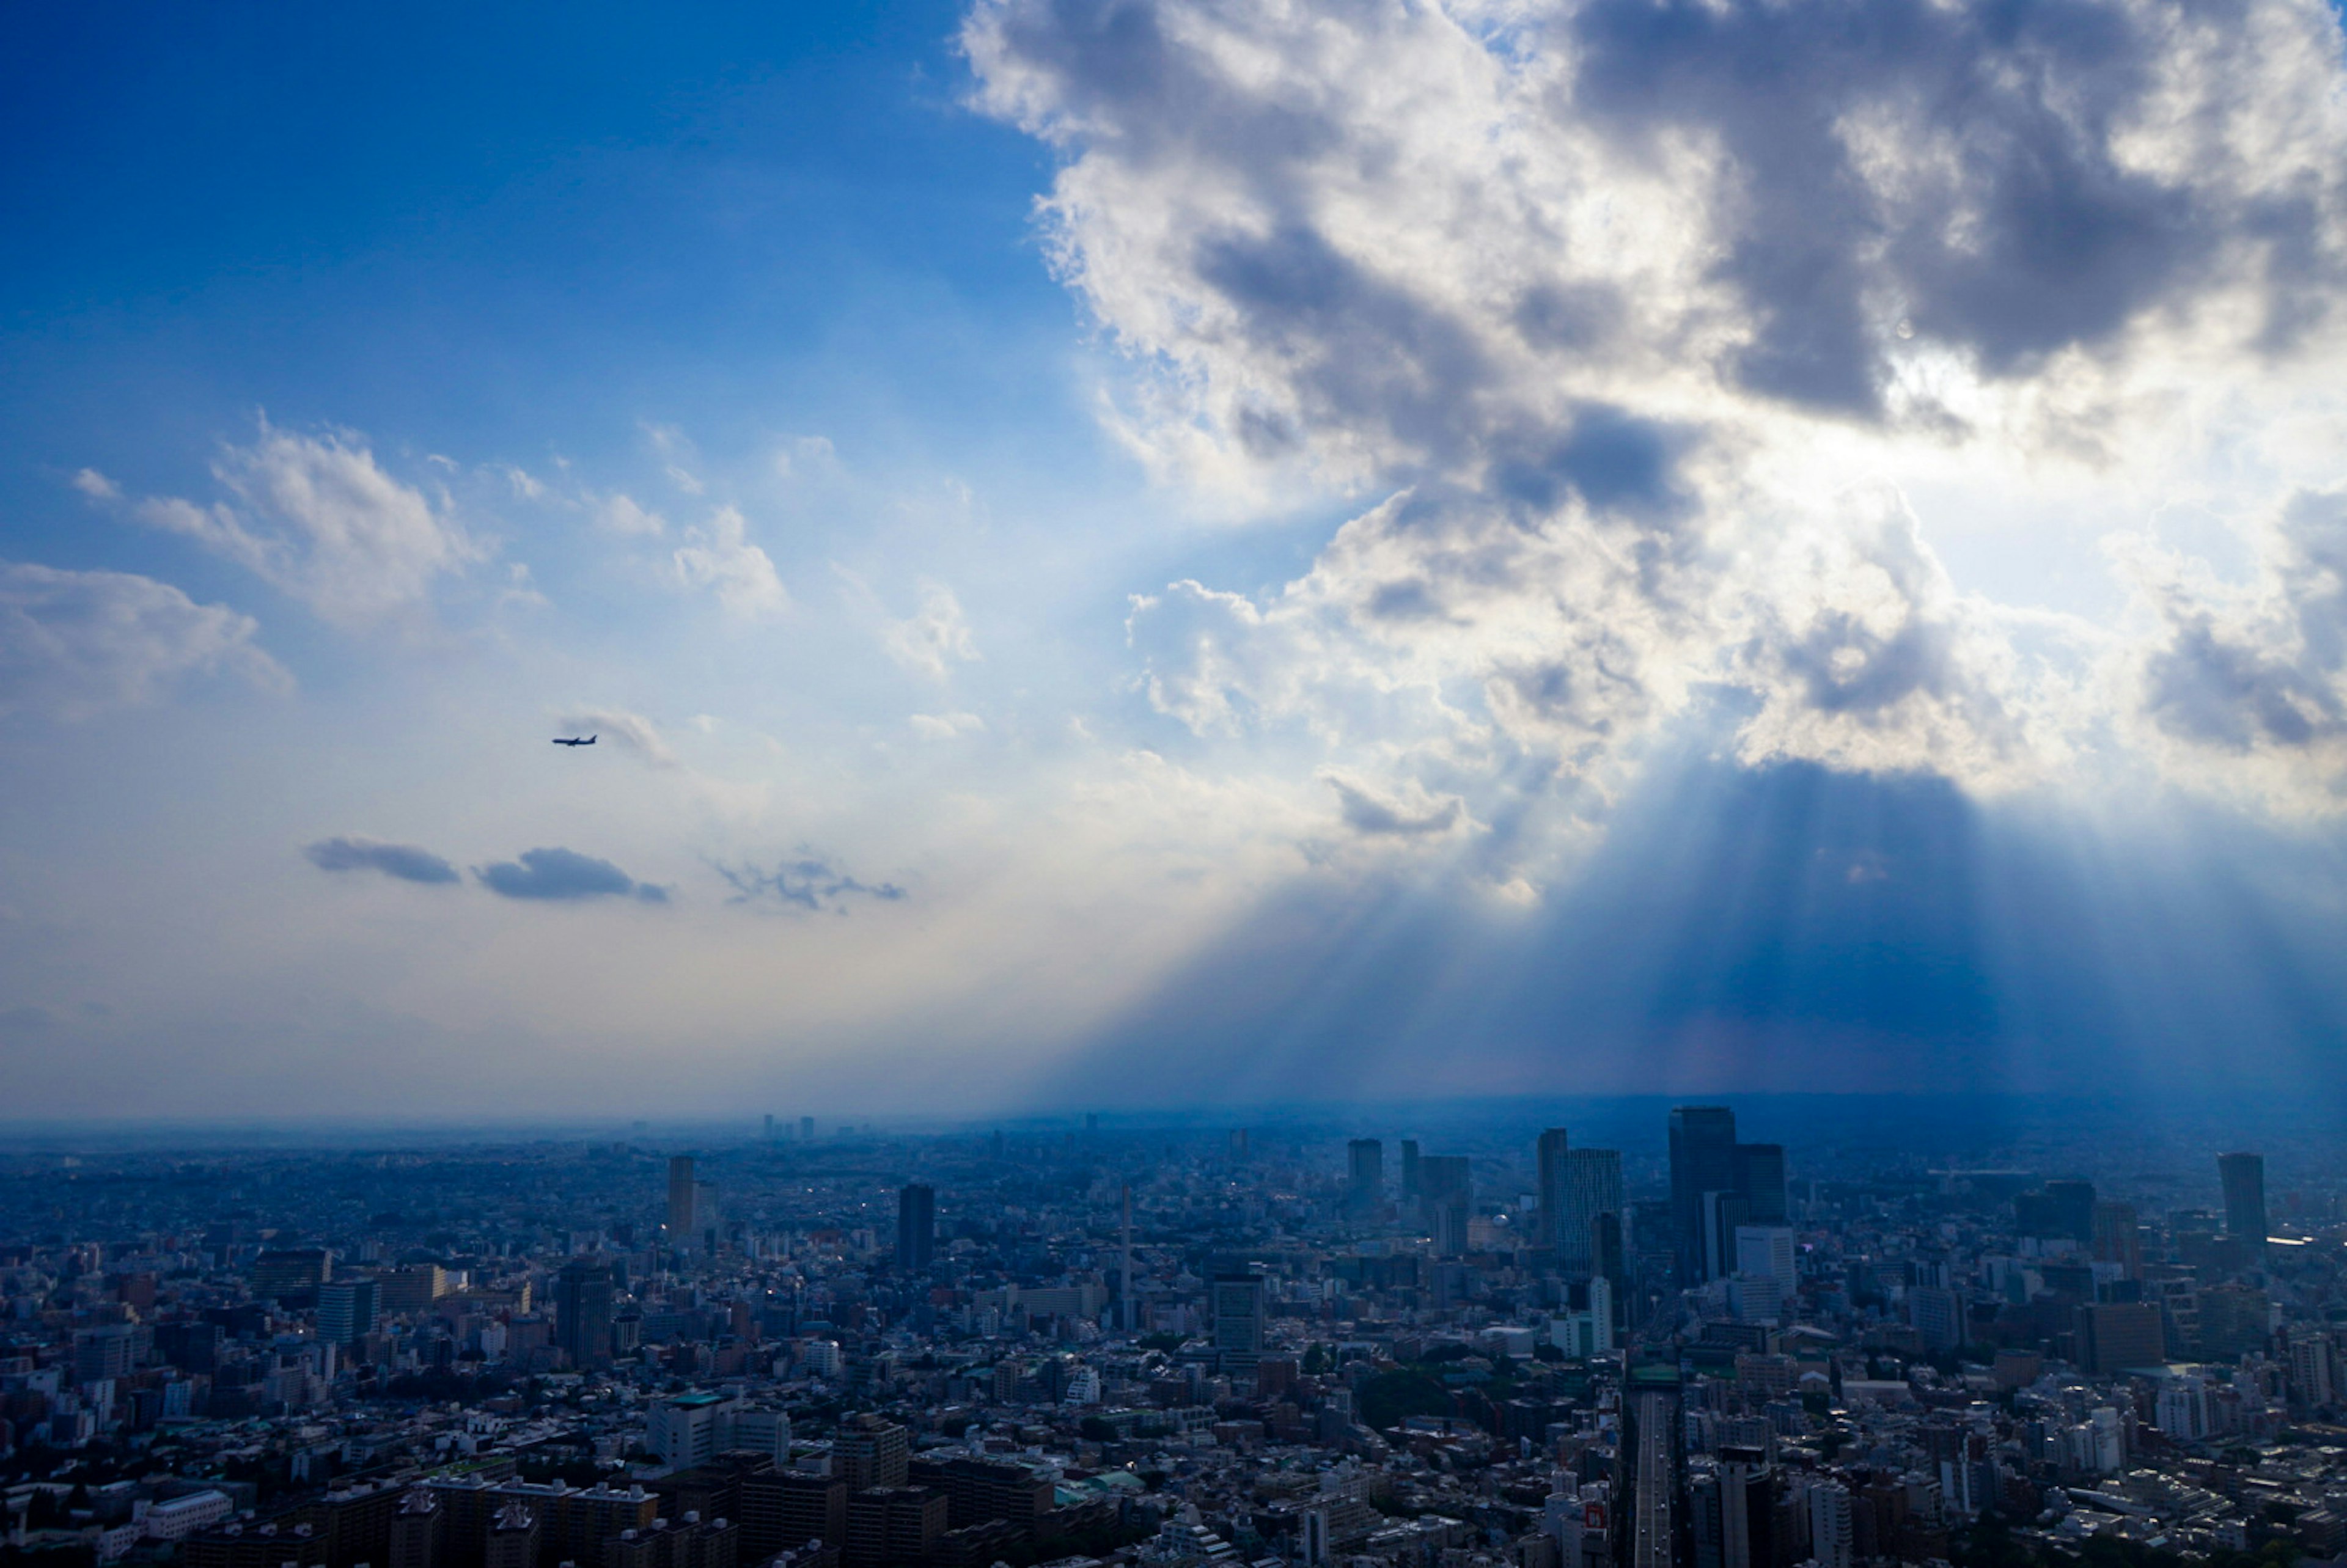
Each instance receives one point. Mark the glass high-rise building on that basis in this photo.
(681, 1193)
(1703, 1160)
(582, 1311)
(2244, 1176)
(1592, 1186)
(1365, 1174)
(916, 1227)
(1549, 1186)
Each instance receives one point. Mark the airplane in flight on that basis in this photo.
(575, 742)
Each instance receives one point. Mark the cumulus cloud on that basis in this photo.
(809, 881)
(2254, 674)
(720, 556)
(630, 732)
(1625, 316)
(623, 514)
(564, 875)
(317, 519)
(77, 643)
(405, 862)
(932, 639)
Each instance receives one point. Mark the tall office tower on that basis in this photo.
(348, 1310)
(2118, 1238)
(1767, 1251)
(1748, 1512)
(681, 1191)
(1831, 1534)
(1446, 1190)
(2244, 1176)
(916, 1227)
(1609, 1262)
(1723, 1213)
(1703, 1160)
(107, 1351)
(2073, 1208)
(417, 1530)
(770, 1126)
(870, 1451)
(582, 1312)
(1761, 1177)
(806, 1129)
(1239, 1143)
(1409, 1182)
(1549, 1186)
(1592, 1186)
(1365, 1175)
(2118, 1336)
(1238, 1308)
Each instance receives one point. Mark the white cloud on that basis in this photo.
(933, 638)
(946, 726)
(720, 556)
(96, 486)
(76, 643)
(1636, 350)
(318, 520)
(621, 514)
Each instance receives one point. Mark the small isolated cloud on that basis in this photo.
(934, 637)
(946, 726)
(621, 514)
(1368, 812)
(316, 517)
(628, 732)
(803, 453)
(403, 861)
(721, 558)
(808, 882)
(96, 486)
(565, 875)
(76, 643)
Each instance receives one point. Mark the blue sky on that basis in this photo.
(1158, 549)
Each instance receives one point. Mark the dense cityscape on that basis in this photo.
(1076, 1344)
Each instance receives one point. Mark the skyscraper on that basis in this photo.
(1238, 1303)
(1447, 1192)
(916, 1227)
(1410, 1182)
(1761, 1177)
(1365, 1175)
(1549, 1186)
(348, 1309)
(1592, 1186)
(582, 1312)
(682, 1191)
(2073, 1208)
(1703, 1160)
(2244, 1176)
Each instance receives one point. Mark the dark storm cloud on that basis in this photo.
(1354, 345)
(565, 875)
(403, 861)
(808, 882)
(2032, 234)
